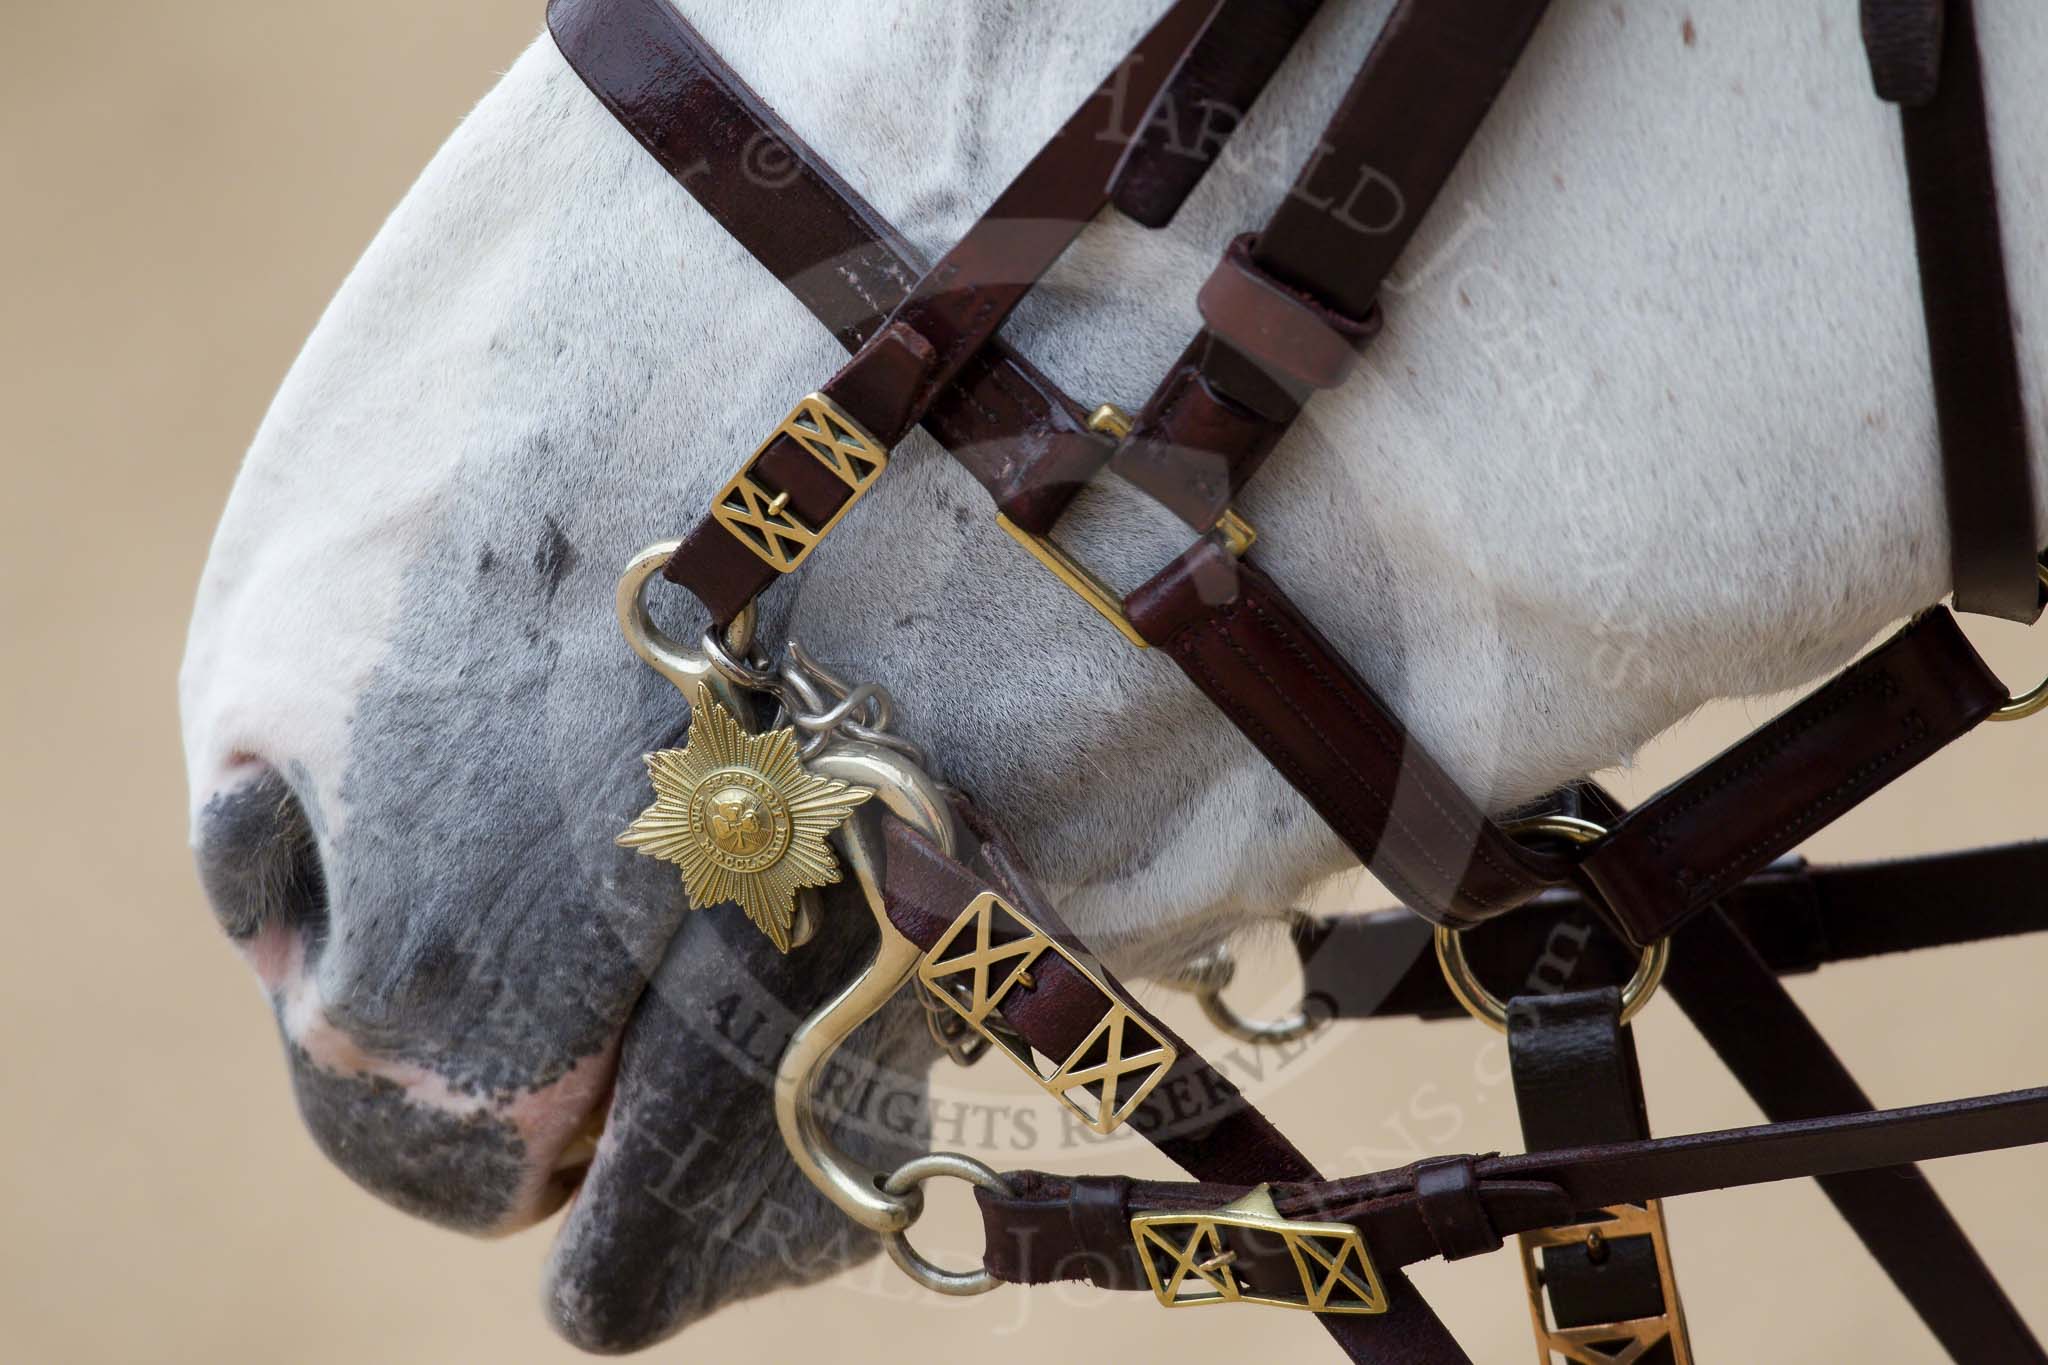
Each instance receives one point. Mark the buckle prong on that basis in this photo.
(762, 521)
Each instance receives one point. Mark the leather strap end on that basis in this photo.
(1903, 40)
(722, 573)
(888, 384)
(1186, 593)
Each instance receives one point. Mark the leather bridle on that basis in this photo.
(1696, 872)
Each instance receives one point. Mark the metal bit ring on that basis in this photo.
(912, 1175)
(1490, 1009)
(1213, 978)
(2033, 700)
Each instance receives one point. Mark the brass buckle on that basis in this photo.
(1608, 1343)
(762, 521)
(1111, 420)
(1075, 575)
(1121, 1045)
(1188, 1264)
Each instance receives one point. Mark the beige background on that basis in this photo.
(184, 187)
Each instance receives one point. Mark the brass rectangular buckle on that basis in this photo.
(1189, 1264)
(762, 521)
(989, 951)
(1616, 1341)
(1238, 534)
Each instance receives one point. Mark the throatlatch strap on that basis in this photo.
(1924, 57)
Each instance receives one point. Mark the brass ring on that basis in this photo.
(1490, 1009)
(1262, 1032)
(2026, 703)
(912, 1175)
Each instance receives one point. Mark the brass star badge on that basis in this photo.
(742, 818)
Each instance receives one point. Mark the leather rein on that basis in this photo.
(1690, 888)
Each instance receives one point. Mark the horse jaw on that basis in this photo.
(1593, 475)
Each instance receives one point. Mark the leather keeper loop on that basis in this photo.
(1447, 1194)
(1285, 331)
(1099, 1212)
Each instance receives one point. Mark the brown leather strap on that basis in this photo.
(1447, 1197)
(1195, 1116)
(1685, 847)
(959, 304)
(1903, 39)
(1937, 78)
(817, 236)
(1210, 95)
(1377, 169)
(1284, 329)
(999, 416)
(1797, 918)
(1030, 1238)
(1292, 694)
(1733, 997)
(1577, 1082)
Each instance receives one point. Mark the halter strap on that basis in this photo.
(1797, 918)
(1192, 124)
(1924, 58)
(954, 310)
(1309, 281)
(1230, 628)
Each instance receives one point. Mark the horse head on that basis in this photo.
(1579, 490)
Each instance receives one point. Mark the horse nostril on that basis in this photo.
(259, 862)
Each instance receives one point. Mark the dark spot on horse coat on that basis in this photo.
(486, 561)
(555, 557)
(461, 1171)
(1688, 31)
